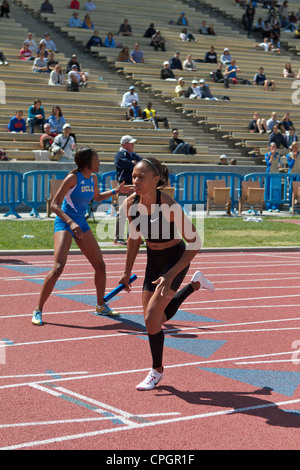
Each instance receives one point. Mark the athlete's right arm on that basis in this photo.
(68, 183)
(133, 244)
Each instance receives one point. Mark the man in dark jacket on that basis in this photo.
(124, 161)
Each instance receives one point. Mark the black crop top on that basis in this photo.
(154, 227)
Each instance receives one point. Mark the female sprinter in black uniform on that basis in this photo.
(162, 222)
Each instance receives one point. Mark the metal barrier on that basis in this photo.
(33, 188)
(278, 186)
(36, 188)
(10, 191)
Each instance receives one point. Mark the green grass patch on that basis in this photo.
(219, 232)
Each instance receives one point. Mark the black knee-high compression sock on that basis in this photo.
(177, 300)
(156, 346)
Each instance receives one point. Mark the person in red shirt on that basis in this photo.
(75, 5)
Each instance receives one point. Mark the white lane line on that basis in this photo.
(148, 424)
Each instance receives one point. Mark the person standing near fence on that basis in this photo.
(78, 188)
(162, 222)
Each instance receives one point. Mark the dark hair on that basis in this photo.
(59, 109)
(83, 158)
(157, 168)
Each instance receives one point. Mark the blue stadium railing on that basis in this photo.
(32, 188)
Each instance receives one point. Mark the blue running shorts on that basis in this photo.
(60, 225)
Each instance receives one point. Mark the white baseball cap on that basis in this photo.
(127, 139)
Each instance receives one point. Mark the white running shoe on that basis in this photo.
(204, 283)
(150, 381)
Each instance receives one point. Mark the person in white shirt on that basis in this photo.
(32, 45)
(56, 76)
(64, 144)
(129, 97)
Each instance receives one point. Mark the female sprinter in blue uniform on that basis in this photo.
(76, 191)
(163, 224)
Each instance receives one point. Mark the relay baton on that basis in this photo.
(118, 289)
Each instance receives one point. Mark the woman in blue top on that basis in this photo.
(57, 120)
(78, 188)
(273, 192)
(109, 41)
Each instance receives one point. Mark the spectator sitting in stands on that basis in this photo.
(288, 72)
(180, 90)
(52, 63)
(94, 41)
(74, 21)
(109, 40)
(186, 37)
(203, 29)
(76, 79)
(73, 61)
(261, 79)
(25, 53)
(175, 62)
(194, 92)
(125, 29)
(205, 91)
(75, 5)
(56, 76)
(257, 124)
(134, 112)
(47, 137)
(40, 64)
(17, 123)
(42, 48)
(65, 144)
(90, 5)
(231, 73)
(56, 120)
(218, 76)
(87, 22)
(149, 114)
(266, 46)
(211, 56)
(50, 45)
(47, 7)
(32, 45)
(158, 41)
(223, 160)
(166, 73)
(124, 54)
(226, 57)
(5, 9)
(182, 20)
(129, 97)
(211, 30)
(136, 55)
(189, 64)
(271, 122)
(277, 137)
(177, 145)
(290, 136)
(285, 123)
(36, 115)
(150, 31)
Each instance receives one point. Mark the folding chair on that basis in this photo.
(218, 196)
(252, 197)
(54, 186)
(295, 196)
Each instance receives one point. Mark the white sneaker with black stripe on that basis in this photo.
(150, 381)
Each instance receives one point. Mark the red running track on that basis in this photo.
(232, 359)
